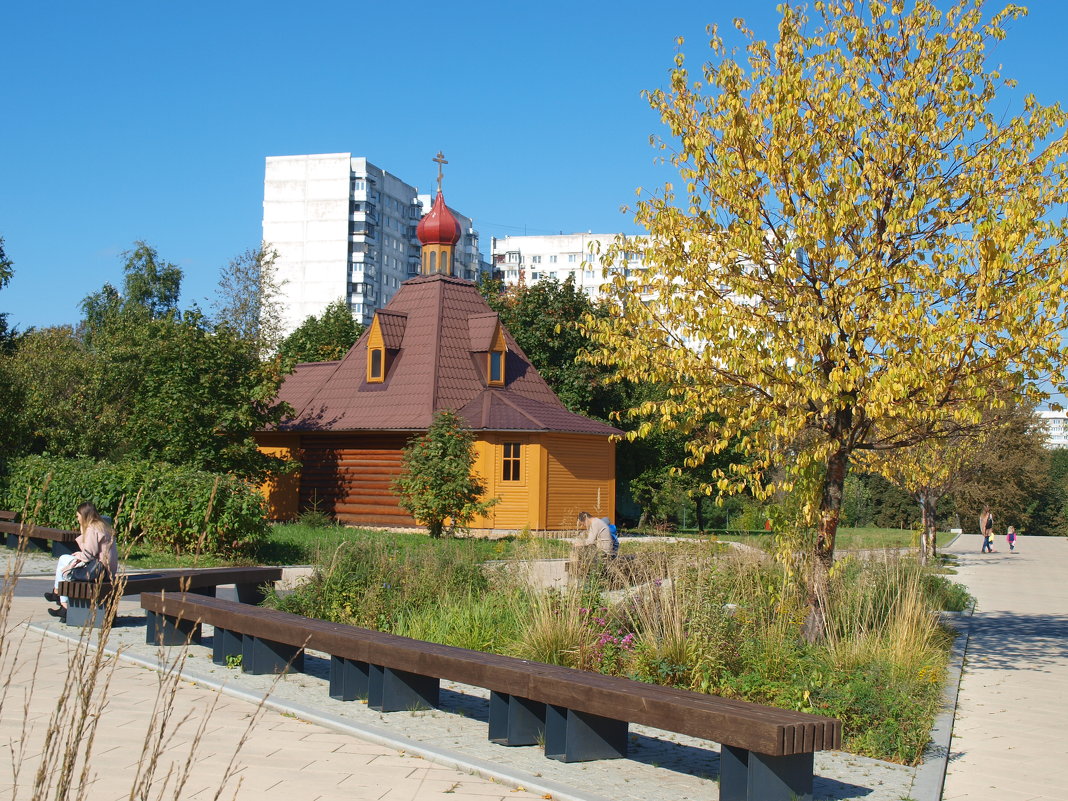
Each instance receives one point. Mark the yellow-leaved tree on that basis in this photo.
(864, 250)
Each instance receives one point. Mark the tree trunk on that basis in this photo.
(823, 558)
(928, 505)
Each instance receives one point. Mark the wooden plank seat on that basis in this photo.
(6, 515)
(56, 541)
(766, 753)
(88, 600)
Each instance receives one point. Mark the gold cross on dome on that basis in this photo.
(440, 159)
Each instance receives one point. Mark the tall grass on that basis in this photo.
(54, 757)
(700, 617)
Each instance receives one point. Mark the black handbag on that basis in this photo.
(90, 571)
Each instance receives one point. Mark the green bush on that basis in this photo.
(177, 508)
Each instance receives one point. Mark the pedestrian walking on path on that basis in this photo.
(986, 529)
(1011, 537)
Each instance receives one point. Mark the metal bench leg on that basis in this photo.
(391, 690)
(167, 630)
(252, 593)
(514, 720)
(572, 736)
(260, 656)
(748, 776)
(225, 646)
(349, 679)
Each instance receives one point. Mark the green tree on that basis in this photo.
(438, 484)
(193, 393)
(6, 272)
(68, 406)
(10, 407)
(322, 339)
(248, 298)
(151, 287)
(544, 318)
(865, 246)
(139, 378)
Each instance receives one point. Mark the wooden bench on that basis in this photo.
(89, 600)
(56, 541)
(7, 516)
(766, 754)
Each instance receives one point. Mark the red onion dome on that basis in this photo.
(439, 227)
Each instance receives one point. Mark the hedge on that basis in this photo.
(177, 508)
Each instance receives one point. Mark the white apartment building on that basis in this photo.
(1055, 421)
(344, 228)
(537, 258)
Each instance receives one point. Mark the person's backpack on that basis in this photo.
(612, 531)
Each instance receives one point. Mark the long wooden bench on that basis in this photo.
(89, 600)
(56, 541)
(766, 754)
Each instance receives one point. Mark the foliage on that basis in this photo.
(177, 508)
(701, 618)
(6, 272)
(141, 379)
(377, 583)
(438, 483)
(322, 339)
(9, 390)
(150, 287)
(865, 253)
(248, 299)
(544, 317)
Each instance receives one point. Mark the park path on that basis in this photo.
(283, 758)
(1009, 738)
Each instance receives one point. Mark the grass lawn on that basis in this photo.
(849, 538)
(299, 544)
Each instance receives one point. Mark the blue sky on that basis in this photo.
(151, 121)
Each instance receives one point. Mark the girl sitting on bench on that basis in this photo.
(97, 556)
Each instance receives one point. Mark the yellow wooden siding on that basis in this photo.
(520, 502)
(281, 492)
(580, 474)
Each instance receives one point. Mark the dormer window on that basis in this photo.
(384, 341)
(376, 365)
(496, 368)
(496, 361)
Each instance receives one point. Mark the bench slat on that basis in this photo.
(755, 727)
(38, 532)
(175, 581)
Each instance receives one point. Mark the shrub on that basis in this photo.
(176, 508)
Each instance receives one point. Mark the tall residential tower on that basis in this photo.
(344, 228)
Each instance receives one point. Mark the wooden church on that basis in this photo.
(437, 345)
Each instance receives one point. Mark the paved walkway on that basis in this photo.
(1009, 737)
(1007, 743)
(279, 757)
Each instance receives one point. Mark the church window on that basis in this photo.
(375, 372)
(510, 462)
(496, 368)
(433, 261)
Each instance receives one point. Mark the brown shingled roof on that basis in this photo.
(435, 323)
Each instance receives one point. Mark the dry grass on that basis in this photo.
(54, 756)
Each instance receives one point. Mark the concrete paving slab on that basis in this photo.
(1008, 737)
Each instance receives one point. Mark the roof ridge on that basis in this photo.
(435, 390)
(508, 402)
(327, 375)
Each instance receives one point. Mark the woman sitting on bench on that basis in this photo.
(97, 556)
